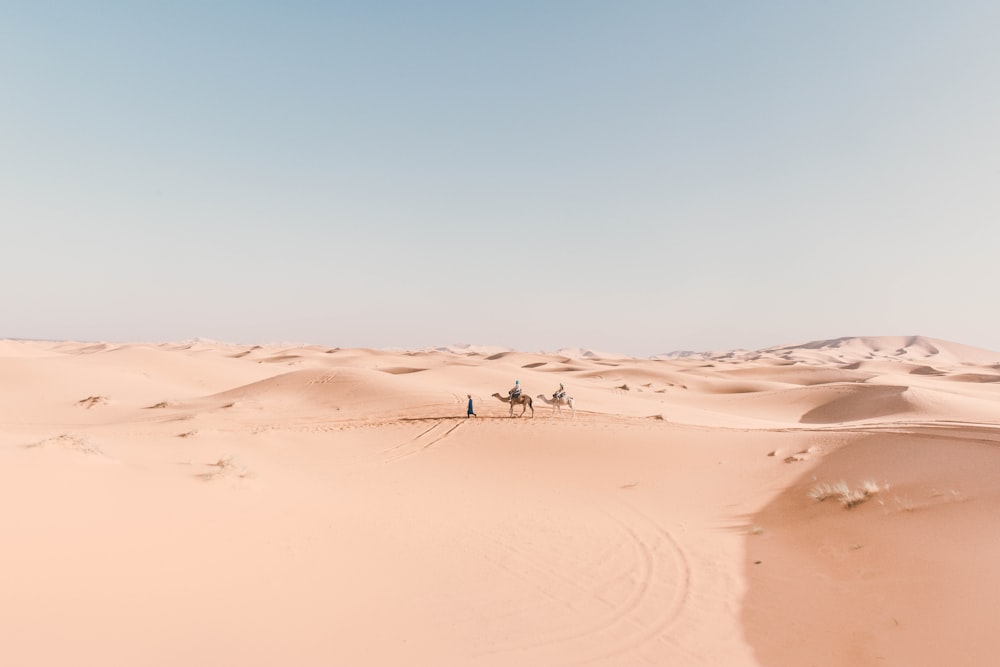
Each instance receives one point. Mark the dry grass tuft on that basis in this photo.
(848, 497)
(853, 498)
(871, 488)
(91, 401)
(821, 492)
(224, 467)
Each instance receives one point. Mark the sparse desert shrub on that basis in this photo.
(91, 401)
(870, 487)
(821, 492)
(225, 467)
(71, 442)
(225, 463)
(853, 497)
(848, 496)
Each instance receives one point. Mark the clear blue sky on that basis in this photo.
(628, 176)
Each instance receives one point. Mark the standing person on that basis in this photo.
(471, 412)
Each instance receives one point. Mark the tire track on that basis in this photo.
(679, 572)
(540, 576)
(443, 435)
(659, 576)
(415, 445)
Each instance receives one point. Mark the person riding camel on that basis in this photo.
(515, 393)
(560, 392)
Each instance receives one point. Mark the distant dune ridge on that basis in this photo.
(203, 503)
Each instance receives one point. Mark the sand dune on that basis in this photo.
(904, 578)
(800, 375)
(203, 503)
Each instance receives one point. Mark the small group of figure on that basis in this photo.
(516, 391)
(514, 394)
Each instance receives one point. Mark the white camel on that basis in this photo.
(557, 403)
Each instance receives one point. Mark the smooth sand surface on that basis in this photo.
(828, 504)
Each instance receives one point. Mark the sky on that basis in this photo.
(628, 176)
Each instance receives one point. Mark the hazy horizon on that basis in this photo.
(459, 346)
(632, 177)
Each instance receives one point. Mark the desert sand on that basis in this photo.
(830, 503)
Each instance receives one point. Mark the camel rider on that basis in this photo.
(515, 393)
(560, 392)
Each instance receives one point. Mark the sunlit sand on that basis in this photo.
(832, 503)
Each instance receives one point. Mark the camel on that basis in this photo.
(523, 400)
(557, 403)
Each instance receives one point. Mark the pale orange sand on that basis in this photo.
(211, 504)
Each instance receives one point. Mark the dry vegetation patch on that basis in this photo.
(67, 441)
(92, 401)
(226, 466)
(849, 496)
